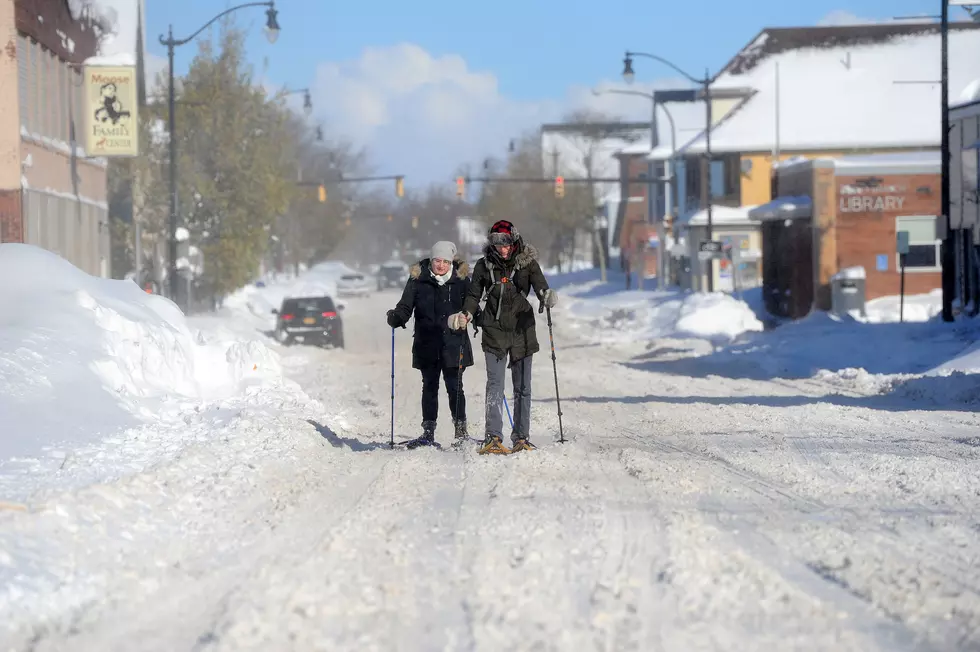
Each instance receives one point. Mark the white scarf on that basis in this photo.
(442, 280)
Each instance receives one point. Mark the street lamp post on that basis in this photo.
(705, 83)
(272, 33)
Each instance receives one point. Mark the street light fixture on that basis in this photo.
(705, 83)
(271, 24)
(272, 33)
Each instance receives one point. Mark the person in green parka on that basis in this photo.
(506, 275)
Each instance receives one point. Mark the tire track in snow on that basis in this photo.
(925, 552)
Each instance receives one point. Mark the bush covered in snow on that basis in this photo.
(82, 356)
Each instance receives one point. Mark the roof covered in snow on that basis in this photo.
(842, 87)
(719, 215)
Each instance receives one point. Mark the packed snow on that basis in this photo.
(720, 485)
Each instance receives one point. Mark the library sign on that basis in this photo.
(110, 111)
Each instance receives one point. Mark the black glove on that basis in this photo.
(393, 320)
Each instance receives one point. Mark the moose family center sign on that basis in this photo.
(110, 111)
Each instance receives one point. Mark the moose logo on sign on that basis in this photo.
(112, 108)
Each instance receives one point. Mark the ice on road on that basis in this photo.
(685, 512)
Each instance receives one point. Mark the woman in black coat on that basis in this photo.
(435, 290)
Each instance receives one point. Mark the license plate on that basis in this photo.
(309, 320)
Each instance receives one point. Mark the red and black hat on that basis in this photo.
(502, 233)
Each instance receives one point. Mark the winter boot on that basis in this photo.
(461, 434)
(428, 437)
(522, 443)
(493, 445)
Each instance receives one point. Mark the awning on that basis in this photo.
(783, 208)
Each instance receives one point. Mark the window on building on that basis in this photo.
(923, 245)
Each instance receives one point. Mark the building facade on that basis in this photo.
(829, 215)
(51, 194)
(964, 210)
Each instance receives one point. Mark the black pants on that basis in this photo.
(430, 392)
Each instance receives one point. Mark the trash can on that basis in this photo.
(847, 292)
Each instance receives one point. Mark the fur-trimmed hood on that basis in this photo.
(462, 268)
(525, 255)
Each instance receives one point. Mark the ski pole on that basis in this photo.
(391, 443)
(459, 378)
(554, 364)
(509, 418)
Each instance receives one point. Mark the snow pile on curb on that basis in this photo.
(82, 357)
(629, 316)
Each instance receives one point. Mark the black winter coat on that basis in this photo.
(435, 345)
(508, 317)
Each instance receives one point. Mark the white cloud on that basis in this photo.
(844, 17)
(423, 115)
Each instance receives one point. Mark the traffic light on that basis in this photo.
(415, 221)
(460, 186)
(400, 187)
(323, 193)
(559, 187)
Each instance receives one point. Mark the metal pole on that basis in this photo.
(171, 128)
(707, 175)
(947, 250)
(652, 187)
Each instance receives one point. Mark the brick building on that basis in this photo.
(51, 194)
(833, 214)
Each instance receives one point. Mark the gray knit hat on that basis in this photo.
(443, 249)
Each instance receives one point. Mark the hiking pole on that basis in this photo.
(459, 379)
(509, 418)
(554, 364)
(391, 443)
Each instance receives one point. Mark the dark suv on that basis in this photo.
(312, 319)
(392, 274)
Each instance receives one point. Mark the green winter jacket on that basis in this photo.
(507, 319)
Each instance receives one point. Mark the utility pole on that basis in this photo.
(946, 249)
(706, 190)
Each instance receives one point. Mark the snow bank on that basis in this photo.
(82, 357)
(630, 316)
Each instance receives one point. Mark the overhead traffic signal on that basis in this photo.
(400, 187)
(323, 193)
(559, 187)
(460, 186)
(415, 222)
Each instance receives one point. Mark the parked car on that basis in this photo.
(311, 319)
(392, 274)
(353, 284)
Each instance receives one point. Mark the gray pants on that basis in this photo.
(520, 375)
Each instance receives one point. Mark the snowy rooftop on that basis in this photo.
(924, 162)
(719, 215)
(864, 64)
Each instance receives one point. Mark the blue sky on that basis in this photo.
(426, 86)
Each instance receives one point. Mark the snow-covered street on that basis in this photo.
(695, 505)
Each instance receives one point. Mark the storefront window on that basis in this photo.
(923, 245)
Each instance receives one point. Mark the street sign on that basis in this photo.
(902, 242)
(710, 247)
